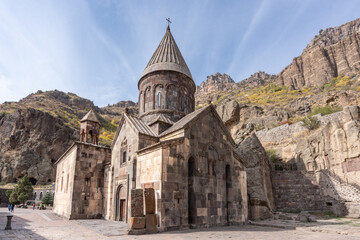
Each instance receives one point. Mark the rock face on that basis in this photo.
(209, 89)
(330, 153)
(216, 82)
(334, 51)
(333, 146)
(261, 200)
(31, 141)
(257, 79)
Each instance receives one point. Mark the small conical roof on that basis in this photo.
(167, 57)
(90, 116)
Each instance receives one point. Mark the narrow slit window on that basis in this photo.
(159, 99)
(182, 103)
(124, 157)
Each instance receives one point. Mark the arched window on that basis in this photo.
(41, 195)
(34, 195)
(182, 103)
(159, 99)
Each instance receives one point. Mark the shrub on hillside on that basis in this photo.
(325, 110)
(310, 123)
(271, 153)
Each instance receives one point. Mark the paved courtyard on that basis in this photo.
(43, 224)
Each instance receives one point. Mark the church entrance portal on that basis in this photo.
(120, 204)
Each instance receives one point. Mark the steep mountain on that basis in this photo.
(333, 52)
(35, 131)
(257, 79)
(326, 73)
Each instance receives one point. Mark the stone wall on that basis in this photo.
(296, 191)
(40, 193)
(87, 201)
(317, 191)
(80, 181)
(65, 173)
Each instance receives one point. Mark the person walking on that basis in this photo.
(12, 207)
(33, 206)
(9, 207)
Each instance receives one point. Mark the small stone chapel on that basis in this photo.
(183, 158)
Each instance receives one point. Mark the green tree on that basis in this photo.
(47, 199)
(8, 193)
(22, 192)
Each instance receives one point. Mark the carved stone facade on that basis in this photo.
(183, 161)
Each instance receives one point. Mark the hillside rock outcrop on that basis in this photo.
(258, 168)
(334, 146)
(30, 142)
(334, 51)
(216, 82)
(257, 79)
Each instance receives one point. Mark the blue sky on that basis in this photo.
(98, 49)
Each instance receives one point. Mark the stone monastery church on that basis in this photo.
(170, 167)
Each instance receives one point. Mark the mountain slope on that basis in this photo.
(35, 131)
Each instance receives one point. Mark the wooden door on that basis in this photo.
(122, 209)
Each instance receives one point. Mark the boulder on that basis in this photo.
(259, 186)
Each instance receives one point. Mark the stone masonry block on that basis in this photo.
(137, 203)
(137, 222)
(149, 194)
(151, 223)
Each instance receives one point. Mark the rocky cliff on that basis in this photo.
(335, 145)
(36, 131)
(257, 79)
(334, 51)
(31, 141)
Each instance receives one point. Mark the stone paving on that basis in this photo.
(43, 224)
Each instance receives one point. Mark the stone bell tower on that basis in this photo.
(166, 87)
(90, 128)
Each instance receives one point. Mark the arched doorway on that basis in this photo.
(191, 192)
(120, 204)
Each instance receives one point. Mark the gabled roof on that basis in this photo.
(184, 121)
(162, 118)
(192, 117)
(137, 124)
(90, 116)
(167, 56)
(140, 126)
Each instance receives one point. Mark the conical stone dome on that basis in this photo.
(167, 57)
